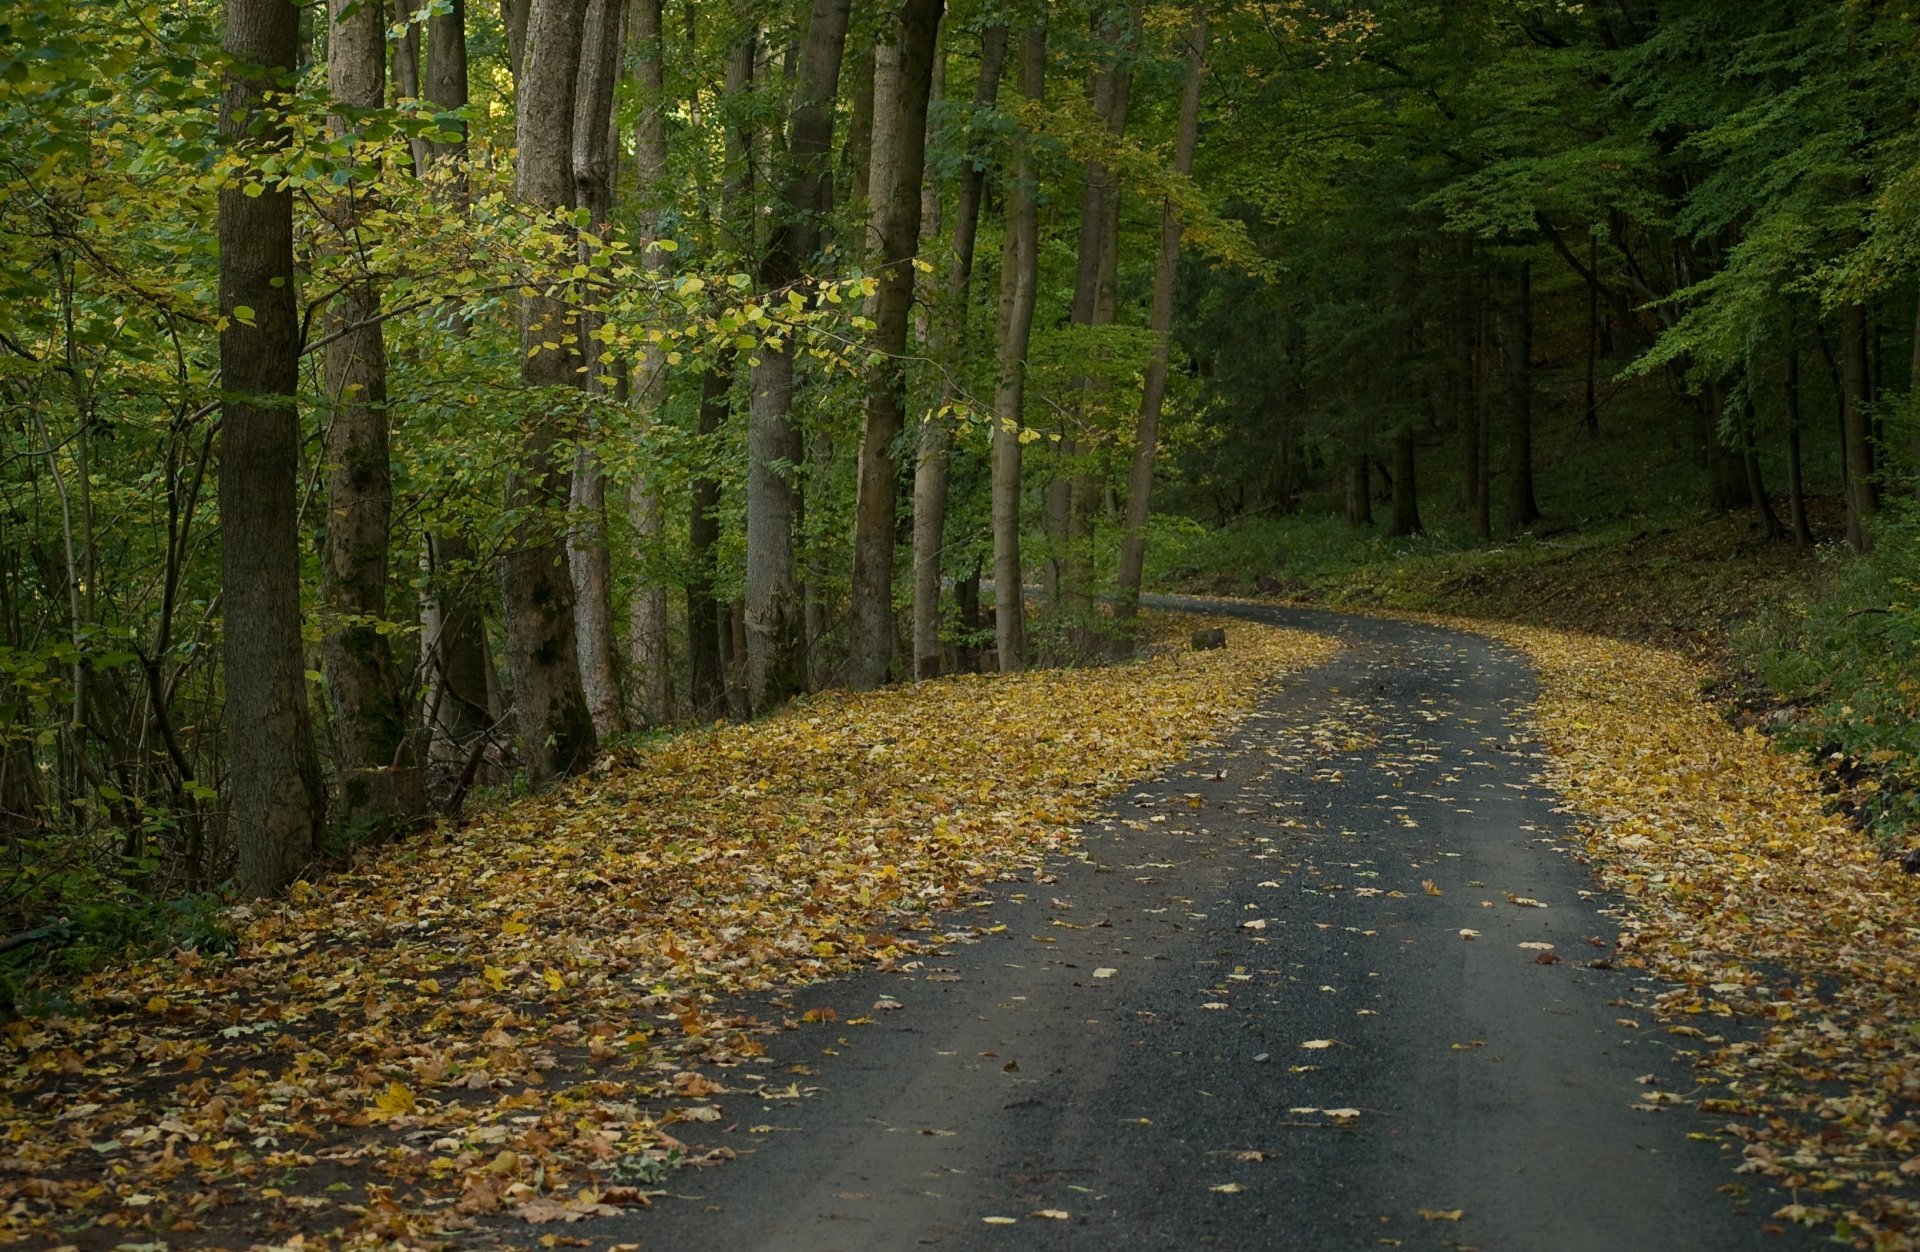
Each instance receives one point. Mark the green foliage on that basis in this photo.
(1844, 654)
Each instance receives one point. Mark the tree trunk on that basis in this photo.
(1019, 281)
(1360, 490)
(1763, 515)
(1133, 544)
(372, 728)
(776, 666)
(1856, 449)
(948, 335)
(1796, 477)
(446, 79)
(1593, 337)
(274, 800)
(703, 537)
(589, 562)
(875, 510)
(647, 651)
(1522, 510)
(1093, 306)
(1482, 436)
(453, 644)
(883, 141)
(514, 15)
(1406, 500)
(536, 593)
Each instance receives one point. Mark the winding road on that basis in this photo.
(1291, 995)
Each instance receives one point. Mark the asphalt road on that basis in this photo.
(1249, 1019)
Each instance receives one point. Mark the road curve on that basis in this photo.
(1251, 1017)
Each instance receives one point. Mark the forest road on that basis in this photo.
(1250, 1018)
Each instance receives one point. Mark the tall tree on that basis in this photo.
(588, 559)
(1133, 543)
(379, 782)
(536, 592)
(876, 507)
(930, 474)
(1075, 499)
(1019, 287)
(274, 796)
(776, 666)
(646, 505)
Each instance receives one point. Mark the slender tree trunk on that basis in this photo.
(1482, 437)
(455, 661)
(1406, 499)
(1593, 337)
(589, 562)
(514, 15)
(274, 800)
(1522, 510)
(1093, 306)
(1019, 281)
(446, 84)
(1360, 490)
(776, 666)
(1796, 476)
(453, 645)
(647, 651)
(379, 784)
(931, 470)
(875, 510)
(1133, 544)
(1856, 448)
(536, 593)
(883, 140)
(1763, 515)
(703, 609)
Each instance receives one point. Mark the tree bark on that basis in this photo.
(274, 799)
(589, 562)
(1522, 510)
(1133, 544)
(1406, 499)
(1796, 476)
(536, 593)
(883, 141)
(514, 15)
(372, 726)
(870, 658)
(1763, 515)
(1019, 281)
(776, 664)
(647, 650)
(704, 643)
(1856, 448)
(1093, 306)
(930, 475)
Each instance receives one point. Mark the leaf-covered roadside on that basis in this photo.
(506, 1018)
(1760, 904)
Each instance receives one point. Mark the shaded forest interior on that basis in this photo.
(402, 405)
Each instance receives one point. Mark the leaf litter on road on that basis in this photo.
(508, 1018)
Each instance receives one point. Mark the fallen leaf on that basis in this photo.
(1227, 1188)
(1443, 1215)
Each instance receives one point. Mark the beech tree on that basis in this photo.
(275, 800)
(550, 704)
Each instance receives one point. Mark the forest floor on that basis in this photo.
(528, 1029)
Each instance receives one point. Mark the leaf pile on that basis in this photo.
(507, 1018)
(1761, 905)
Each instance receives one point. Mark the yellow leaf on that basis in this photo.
(396, 1101)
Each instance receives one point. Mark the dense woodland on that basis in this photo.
(398, 403)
